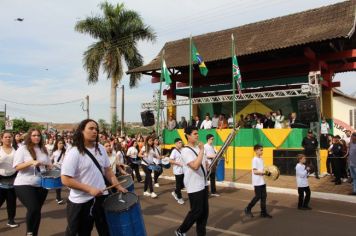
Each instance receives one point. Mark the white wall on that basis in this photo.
(341, 112)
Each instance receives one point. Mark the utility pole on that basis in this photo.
(122, 108)
(87, 108)
(5, 113)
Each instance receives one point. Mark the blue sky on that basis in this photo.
(41, 57)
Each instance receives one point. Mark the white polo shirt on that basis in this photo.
(301, 175)
(29, 175)
(81, 168)
(257, 163)
(177, 157)
(194, 180)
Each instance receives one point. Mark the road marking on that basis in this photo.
(208, 227)
(338, 214)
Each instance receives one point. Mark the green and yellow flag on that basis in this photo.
(196, 58)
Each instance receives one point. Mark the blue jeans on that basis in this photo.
(353, 176)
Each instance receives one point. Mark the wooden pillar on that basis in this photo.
(171, 95)
(327, 96)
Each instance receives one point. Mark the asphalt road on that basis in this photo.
(163, 215)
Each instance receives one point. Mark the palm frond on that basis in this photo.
(95, 27)
(92, 60)
(133, 59)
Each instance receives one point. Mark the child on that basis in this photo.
(259, 183)
(176, 161)
(301, 172)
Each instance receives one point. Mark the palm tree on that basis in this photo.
(117, 33)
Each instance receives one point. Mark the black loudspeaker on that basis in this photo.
(148, 119)
(308, 110)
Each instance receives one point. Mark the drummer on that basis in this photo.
(114, 160)
(81, 173)
(7, 176)
(133, 161)
(148, 154)
(176, 161)
(157, 160)
(57, 158)
(30, 160)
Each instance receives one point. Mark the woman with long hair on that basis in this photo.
(57, 158)
(7, 177)
(157, 160)
(115, 164)
(131, 154)
(85, 170)
(17, 141)
(147, 154)
(30, 159)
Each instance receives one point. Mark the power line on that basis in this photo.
(41, 104)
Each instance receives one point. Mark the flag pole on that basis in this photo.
(233, 107)
(159, 96)
(190, 79)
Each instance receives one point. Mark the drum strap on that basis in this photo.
(60, 156)
(97, 165)
(201, 165)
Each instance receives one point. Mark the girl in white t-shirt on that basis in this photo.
(157, 160)
(176, 161)
(57, 158)
(114, 160)
(7, 176)
(301, 173)
(148, 154)
(29, 161)
(132, 154)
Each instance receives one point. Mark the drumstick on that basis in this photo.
(114, 185)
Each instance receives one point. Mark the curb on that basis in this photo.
(317, 195)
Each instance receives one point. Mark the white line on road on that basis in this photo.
(208, 227)
(338, 214)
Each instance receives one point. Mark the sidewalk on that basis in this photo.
(321, 188)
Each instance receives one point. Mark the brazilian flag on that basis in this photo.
(196, 58)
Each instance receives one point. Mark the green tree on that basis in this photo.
(103, 126)
(21, 125)
(117, 33)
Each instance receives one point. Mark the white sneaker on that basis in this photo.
(153, 195)
(180, 201)
(157, 185)
(184, 190)
(175, 196)
(215, 195)
(344, 180)
(146, 194)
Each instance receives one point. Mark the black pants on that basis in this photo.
(9, 196)
(336, 165)
(260, 195)
(33, 199)
(328, 165)
(199, 212)
(156, 174)
(58, 194)
(148, 179)
(213, 182)
(136, 169)
(179, 185)
(303, 201)
(81, 218)
(343, 164)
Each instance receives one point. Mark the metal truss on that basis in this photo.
(297, 92)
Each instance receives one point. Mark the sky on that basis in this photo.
(41, 57)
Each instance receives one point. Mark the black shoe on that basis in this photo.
(12, 224)
(266, 215)
(301, 208)
(307, 208)
(178, 233)
(337, 182)
(248, 212)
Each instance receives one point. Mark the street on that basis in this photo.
(163, 215)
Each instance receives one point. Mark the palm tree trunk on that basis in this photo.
(113, 102)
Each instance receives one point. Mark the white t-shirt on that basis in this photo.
(49, 148)
(56, 154)
(157, 161)
(230, 122)
(113, 159)
(194, 180)
(29, 175)
(148, 157)
(132, 152)
(259, 126)
(215, 122)
(6, 161)
(177, 157)
(301, 175)
(324, 128)
(206, 124)
(120, 157)
(257, 163)
(82, 169)
(209, 151)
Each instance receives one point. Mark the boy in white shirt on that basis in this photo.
(194, 169)
(301, 173)
(210, 154)
(176, 161)
(259, 183)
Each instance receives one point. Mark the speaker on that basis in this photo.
(147, 117)
(308, 110)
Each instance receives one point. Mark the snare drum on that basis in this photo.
(154, 167)
(51, 179)
(136, 161)
(165, 163)
(128, 184)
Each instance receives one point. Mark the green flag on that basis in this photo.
(165, 73)
(196, 58)
(237, 73)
